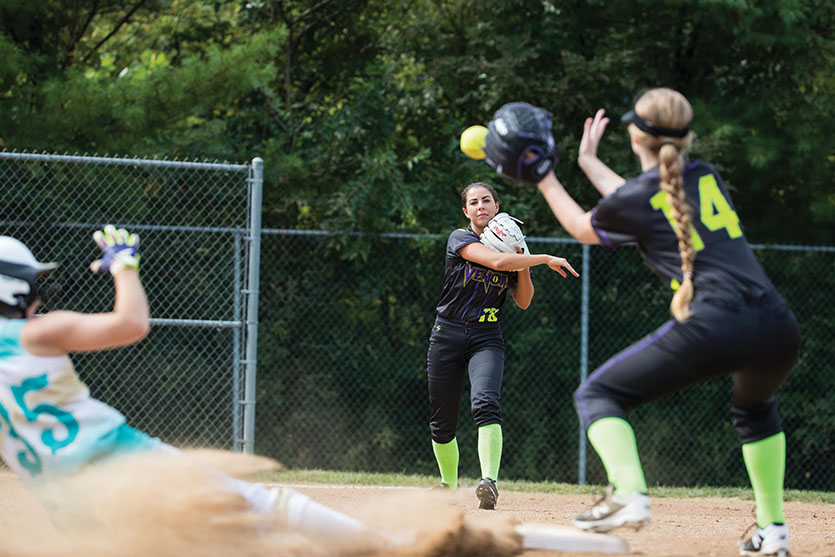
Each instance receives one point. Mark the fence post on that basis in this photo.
(257, 186)
(584, 358)
(237, 366)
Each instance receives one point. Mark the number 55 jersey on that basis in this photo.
(49, 423)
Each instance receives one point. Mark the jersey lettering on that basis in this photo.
(716, 211)
(64, 418)
(486, 276)
(28, 459)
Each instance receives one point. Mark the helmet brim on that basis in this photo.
(44, 268)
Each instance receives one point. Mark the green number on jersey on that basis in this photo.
(716, 211)
(489, 314)
(659, 201)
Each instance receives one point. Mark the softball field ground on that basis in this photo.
(680, 527)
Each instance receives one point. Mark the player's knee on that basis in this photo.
(442, 432)
(488, 419)
(588, 402)
(579, 403)
(755, 421)
(592, 404)
(443, 438)
(578, 396)
(487, 412)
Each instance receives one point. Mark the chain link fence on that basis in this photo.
(341, 348)
(187, 382)
(342, 380)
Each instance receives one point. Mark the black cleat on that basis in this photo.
(487, 494)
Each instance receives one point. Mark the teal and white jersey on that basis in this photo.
(49, 423)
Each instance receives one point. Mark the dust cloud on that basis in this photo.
(178, 504)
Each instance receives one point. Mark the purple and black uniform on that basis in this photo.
(467, 336)
(740, 325)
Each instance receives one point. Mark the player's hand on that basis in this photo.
(559, 265)
(593, 129)
(119, 250)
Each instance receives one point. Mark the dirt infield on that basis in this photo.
(696, 527)
(680, 527)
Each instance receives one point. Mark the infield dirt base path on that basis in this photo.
(697, 527)
(680, 527)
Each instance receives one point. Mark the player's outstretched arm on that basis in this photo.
(62, 332)
(601, 176)
(572, 217)
(481, 254)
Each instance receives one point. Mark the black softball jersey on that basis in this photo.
(471, 293)
(639, 212)
(739, 325)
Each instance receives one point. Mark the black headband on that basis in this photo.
(652, 129)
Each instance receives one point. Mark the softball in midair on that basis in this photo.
(472, 142)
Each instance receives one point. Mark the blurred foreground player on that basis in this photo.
(50, 426)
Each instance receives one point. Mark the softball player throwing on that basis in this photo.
(49, 423)
(728, 317)
(467, 338)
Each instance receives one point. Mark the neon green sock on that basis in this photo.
(614, 441)
(490, 450)
(766, 463)
(447, 456)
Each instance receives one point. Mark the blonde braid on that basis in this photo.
(669, 109)
(671, 164)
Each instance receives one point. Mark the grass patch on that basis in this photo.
(412, 480)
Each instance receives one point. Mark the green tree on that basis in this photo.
(356, 106)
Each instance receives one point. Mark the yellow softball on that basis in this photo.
(472, 142)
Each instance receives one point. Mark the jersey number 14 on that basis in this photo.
(715, 212)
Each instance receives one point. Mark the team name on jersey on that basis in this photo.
(487, 277)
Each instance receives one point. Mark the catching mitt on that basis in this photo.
(502, 234)
(519, 144)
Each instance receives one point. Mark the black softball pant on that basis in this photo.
(755, 338)
(455, 348)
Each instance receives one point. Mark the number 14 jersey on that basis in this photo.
(640, 212)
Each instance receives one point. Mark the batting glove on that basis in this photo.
(119, 250)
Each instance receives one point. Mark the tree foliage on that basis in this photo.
(356, 106)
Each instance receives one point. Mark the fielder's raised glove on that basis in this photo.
(519, 144)
(503, 234)
(119, 250)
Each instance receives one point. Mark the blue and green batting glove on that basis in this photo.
(119, 250)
